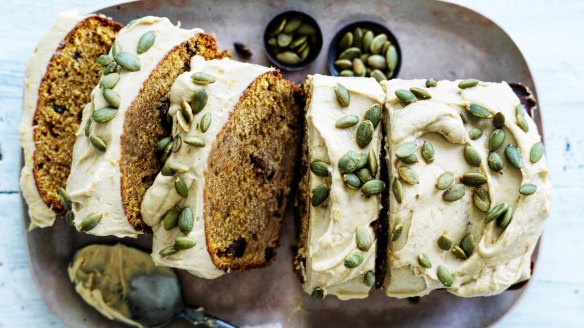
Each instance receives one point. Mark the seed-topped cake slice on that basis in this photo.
(218, 203)
(114, 159)
(58, 81)
(469, 187)
(341, 187)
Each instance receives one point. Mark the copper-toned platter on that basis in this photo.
(438, 40)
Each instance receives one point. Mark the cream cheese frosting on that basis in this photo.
(95, 178)
(231, 80)
(102, 274)
(40, 214)
(332, 225)
(501, 257)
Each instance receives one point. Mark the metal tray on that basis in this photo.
(438, 40)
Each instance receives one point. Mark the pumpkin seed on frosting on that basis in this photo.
(363, 238)
(481, 199)
(479, 111)
(445, 243)
(459, 252)
(320, 168)
(468, 83)
(205, 122)
(202, 78)
(317, 294)
(167, 251)
(396, 232)
(496, 139)
(467, 244)
(527, 189)
(513, 156)
(369, 278)
(170, 218)
(98, 143)
(182, 243)
(420, 93)
(128, 61)
(65, 198)
(104, 60)
(373, 114)
(406, 149)
(111, 97)
(445, 180)
(499, 120)
(343, 95)
(109, 81)
(365, 133)
(408, 175)
(406, 96)
(347, 121)
(181, 188)
(186, 220)
(199, 100)
(520, 117)
(320, 195)
(353, 260)
(454, 193)
(473, 179)
(428, 152)
(536, 152)
(495, 212)
(444, 276)
(194, 141)
(373, 187)
(352, 181)
(145, 42)
(88, 127)
(90, 222)
(424, 261)
(372, 162)
(472, 156)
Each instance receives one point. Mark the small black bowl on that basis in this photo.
(373, 26)
(315, 46)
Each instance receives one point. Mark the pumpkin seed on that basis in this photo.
(420, 93)
(504, 219)
(428, 152)
(320, 168)
(495, 212)
(162, 143)
(430, 83)
(347, 121)
(386, 45)
(283, 40)
(499, 120)
(347, 73)
(373, 114)
(520, 116)
(199, 100)
(445, 276)
(167, 251)
(109, 81)
(473, 179)
(182, 121)
(358, 37)
(353, 260)
(205, 122)
(378, 75)
(352, 181)
(202, 78)
(369, 279)
(397, 189)
(364, 175)
(88, 127)
(373, 187)
(349, 162)
(410, 159)
(178, 167)
(111, 97)
(377, 43)
(297, 42)
(475, 133)
(110, 68)
(527, 189)
(70, 217)
(363, 238)
(467, 244)
(481, 199)
(468, 83)
(293, 24)
(406, 149)
(479, 111)
(104, 60)
(182, 243)
(408, 175)
(320, 195)
(343, 64)
(272, 41)
(187, 111)
(65, 199)
(343, 95)
(367, 38)
(472, 156)
(459, 252)
(279, 27)
(181, 188)
(495, 162)
(98, 143)
(445, 180)
(116, 48)
(146, 41)
(424, 261)
(363, 160)
(359, 67)
(104, 114)
(536, 152)
(372, 162)
(513, 156)
(346, 41)
(166, 153)
(365, 133)
(445, 243)
(194, 141)
(454, 193)
(464, 117)
(377, 62)
(396, 232)
(350, 53)
(90, 221)
(406, 96)
(170, 218)
(306, 29)
(496, 139)
(167, 171)
(391, 57)
(317, 294)
(186, 220)
(128, 61)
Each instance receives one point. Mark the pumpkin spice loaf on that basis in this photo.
(218, 203)
(114, 158)
(58, 80)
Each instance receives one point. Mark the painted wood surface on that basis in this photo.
(547, 32)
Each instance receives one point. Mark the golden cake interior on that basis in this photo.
(251, 167)
(143, 126)
(63, 92)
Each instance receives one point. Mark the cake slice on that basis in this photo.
(340, 189)
(218, 203)
(58, 80)
(469, 192)
(114, 158)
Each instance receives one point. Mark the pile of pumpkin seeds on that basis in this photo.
(291, 39)
(362, 52)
